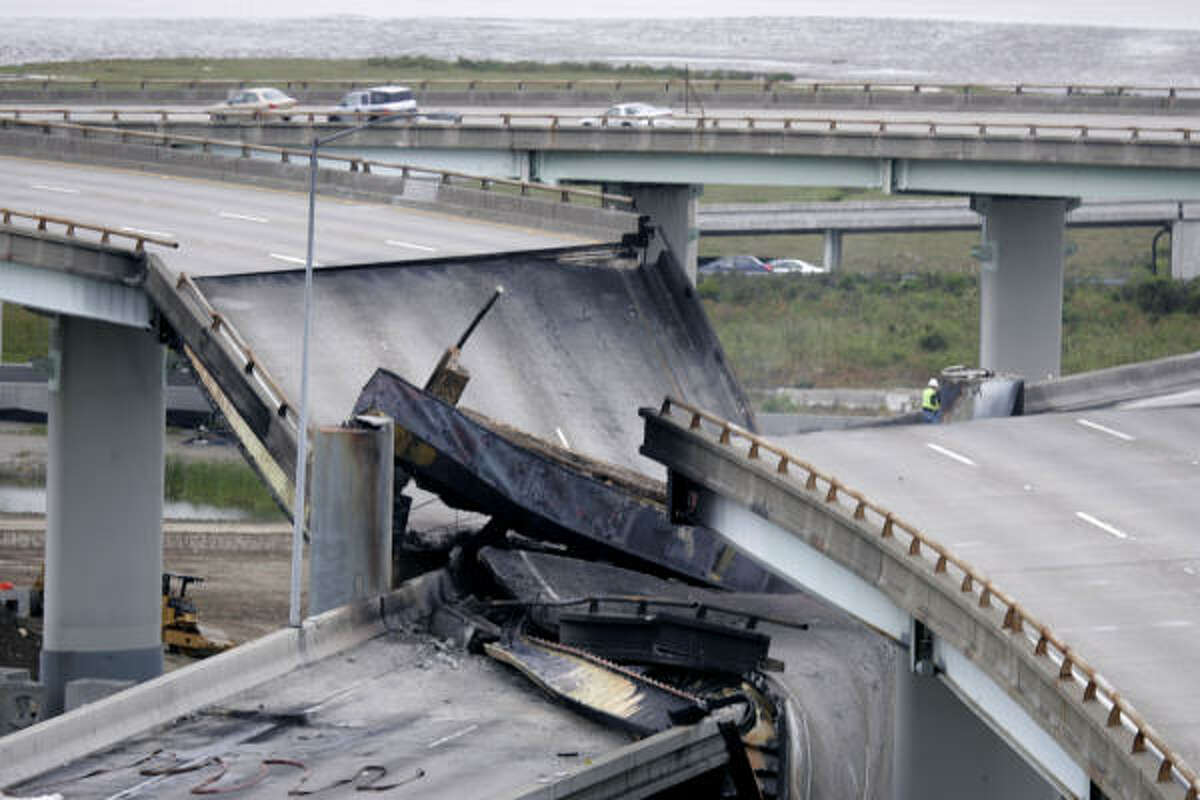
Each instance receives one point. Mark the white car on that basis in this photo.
(795, 265)
(631, 115)
(256, 102)
(375, 102)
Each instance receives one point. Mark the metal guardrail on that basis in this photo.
(814, 86)
(265, 385)
(1017, 621)
(356, 164)
(71, 226)
(1038, 130)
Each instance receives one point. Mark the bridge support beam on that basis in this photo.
(833, 250)
(672, 210)
(1185, 244)
(104, 506)
(1021, 284)
(351, 523)
(942, 749)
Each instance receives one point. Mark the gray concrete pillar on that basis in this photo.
(941, 749)
(351, 523)
(1021, 284)
(672, 210)
(833, 250)
(1185, 243)
(104, 506)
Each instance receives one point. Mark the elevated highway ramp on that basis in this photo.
(1057, 552)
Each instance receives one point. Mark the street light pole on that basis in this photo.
(298, 503)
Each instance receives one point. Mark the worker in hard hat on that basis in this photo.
(931, 402)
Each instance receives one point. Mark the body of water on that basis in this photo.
(809, 47)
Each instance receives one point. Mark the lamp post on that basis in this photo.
(298, 504)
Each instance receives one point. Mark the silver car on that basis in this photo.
(631, 115)
(375, 102)
(256, 102)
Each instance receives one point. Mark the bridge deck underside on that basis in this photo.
(568, 354)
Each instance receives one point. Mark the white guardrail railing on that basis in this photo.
(789, 86)
(563, 194)
(800, 124)
(1072, 669)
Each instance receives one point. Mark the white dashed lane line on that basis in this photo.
(290, 259)
(562, 438)
(1087, 423)
(243, 217)
(48, 188)
(959, 457)
(1104, 526)
(144, 232)
(409, 245)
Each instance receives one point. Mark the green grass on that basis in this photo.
(409, 68)
(895, 330)
(26, 334)
(225, 484)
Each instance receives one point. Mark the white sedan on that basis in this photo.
(631, 115)
(257, 102)
(782, 265)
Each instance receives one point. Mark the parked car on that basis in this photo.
(255, 102)
(631, 115)
(375, 102)
(751, 264)
(795, 265)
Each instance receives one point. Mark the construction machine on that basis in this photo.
(180, 628)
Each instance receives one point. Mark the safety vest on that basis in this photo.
(930, 399)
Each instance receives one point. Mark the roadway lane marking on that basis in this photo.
(453, 736)
(937, 448)
(410, 245)
(562, 438)
(144, 232)
(290, 259)
(246, 217)
(1104, 526)
(1087, 423)
(1104, 628)
(1172, 623)
(47, 188)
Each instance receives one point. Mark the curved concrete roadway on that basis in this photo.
(1088, 520)
(227, 228)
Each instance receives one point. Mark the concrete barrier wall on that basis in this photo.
(702, 96)
(495, 206)
(1104, 387)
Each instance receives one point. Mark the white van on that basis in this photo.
(375, 102)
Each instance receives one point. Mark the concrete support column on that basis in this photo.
(104, 506)
(1185, 242)
(1021, 284)
(941, 749)
(672, 210)
(833, 250)
(351, 522)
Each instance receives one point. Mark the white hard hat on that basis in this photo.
(933, 383)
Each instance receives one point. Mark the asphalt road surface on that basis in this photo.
(226, 228)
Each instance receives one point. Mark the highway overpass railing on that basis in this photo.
(807, 124)
(70, 227)
(563, 194)
(1078, 679)
(779, 89)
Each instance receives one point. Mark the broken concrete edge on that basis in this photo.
(604, 224)
(1032, 679)
(640, 769)
(30, 752)
(1104, 387)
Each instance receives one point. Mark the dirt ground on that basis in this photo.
(245, 593)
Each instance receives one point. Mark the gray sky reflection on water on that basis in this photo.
(1168, 14)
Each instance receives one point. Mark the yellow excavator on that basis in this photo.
(180, 628)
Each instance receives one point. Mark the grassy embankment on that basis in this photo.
(903, 306)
